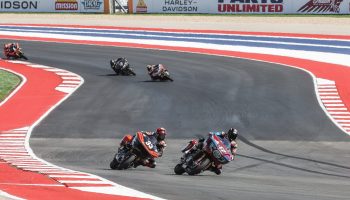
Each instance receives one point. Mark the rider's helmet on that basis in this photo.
(149, 67)
(232, 134)
(14, 45)
(112, 62)
(161, 132)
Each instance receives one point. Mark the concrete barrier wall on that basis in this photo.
(242, 6)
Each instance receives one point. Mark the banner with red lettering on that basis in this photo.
(243, 6)
(82, 6)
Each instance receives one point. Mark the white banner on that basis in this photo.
(82, 6)
(243, 6)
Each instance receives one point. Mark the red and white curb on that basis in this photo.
(70, 82)
(15, 149)
(334, 105)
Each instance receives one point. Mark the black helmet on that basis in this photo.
(232, 134)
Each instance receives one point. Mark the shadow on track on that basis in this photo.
(246, 141)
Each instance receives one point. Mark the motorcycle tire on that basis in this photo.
(179, 170)
(125, 164)
(131, 72)
(170, 79)
(116, 71)
(21, 55)
(201, 167)
(24, 57)
(114, 164)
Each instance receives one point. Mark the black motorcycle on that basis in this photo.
(119, 68)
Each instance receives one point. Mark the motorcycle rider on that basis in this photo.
(155, 70)
(159, 134)
(194, 146)
(119, 64)
(10, 48)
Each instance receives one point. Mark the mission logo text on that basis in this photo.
(66, 5)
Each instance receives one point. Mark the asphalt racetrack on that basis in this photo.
(288, 148)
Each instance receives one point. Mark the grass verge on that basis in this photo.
(8, 82)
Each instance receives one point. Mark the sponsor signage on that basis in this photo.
(66, 5)
(141, 7)
(250, 6)
(243, 6)
(169, 6)
(321, 6)
(19, 5)
(184, 6)
(95, 6)
(92, 4)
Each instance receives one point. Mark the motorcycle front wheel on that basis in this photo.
(179, 169)
(21, 55)
(131, 71)
(203, 165)
(125, 164)
(114, 164)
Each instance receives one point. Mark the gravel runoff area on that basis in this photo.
(339, 25)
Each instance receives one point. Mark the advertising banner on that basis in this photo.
(322, 7)
(243, 6)
(82, 6)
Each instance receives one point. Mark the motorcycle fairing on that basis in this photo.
(148, 144)
(219, 149)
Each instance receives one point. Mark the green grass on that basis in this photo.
(8, 82)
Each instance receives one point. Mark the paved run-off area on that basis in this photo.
(339, 25)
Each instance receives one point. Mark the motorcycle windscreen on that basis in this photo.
(220, 149)
(149, 144)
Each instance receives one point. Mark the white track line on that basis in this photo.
(30, 162)
(333, 103)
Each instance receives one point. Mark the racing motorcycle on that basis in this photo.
(142, 147)
(215, 151)
(17, 54)
(126, 71)
(164, 74)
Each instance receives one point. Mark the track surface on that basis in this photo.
(289, 149)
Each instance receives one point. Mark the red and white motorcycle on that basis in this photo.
(158, 72)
